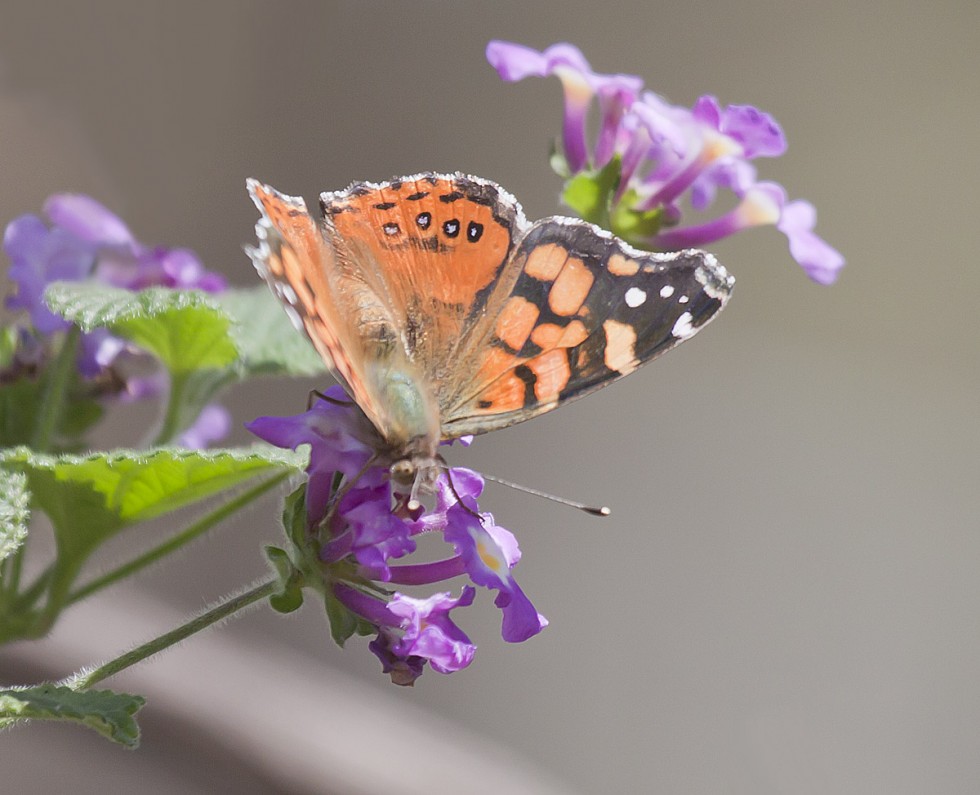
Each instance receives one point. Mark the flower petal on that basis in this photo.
(87, 219)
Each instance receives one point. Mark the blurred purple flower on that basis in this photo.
(362, 526)
(86, 241)
(666, 153)
(212, 425)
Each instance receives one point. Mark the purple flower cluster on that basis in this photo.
(86, 241)
(666, 153)
(365, 525)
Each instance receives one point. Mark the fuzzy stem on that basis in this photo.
(199, 527)
(222, 610)
(55, 391)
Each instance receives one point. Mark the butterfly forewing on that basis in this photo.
(432, 248)
(322, 295)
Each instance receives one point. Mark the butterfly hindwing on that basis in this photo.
(583, 310)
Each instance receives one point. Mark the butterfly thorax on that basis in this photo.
(411, 432)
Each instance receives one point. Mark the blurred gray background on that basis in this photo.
(786, 597)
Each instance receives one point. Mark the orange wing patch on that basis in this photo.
(546, 262)
(570, 289)
(438, 236)
(516, 322)
(551, 374)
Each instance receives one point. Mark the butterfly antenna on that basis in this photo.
(594, 510)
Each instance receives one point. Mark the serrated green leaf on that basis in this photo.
(590, 193)
(184, 329)
(15, 513)
(267, 341)
(89, 498)
(130, 486)
(110, 714)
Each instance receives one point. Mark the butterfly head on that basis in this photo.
(417, 473)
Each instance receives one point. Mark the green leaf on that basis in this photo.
(343, 623)
(590, 193)
(110, 714)
(89, 498)
(268, 342)
(184, 329)
(632, 226)
(15, 513)
(557, 161)
(294, 517)
(290, 594)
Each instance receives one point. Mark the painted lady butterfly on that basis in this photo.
(444, 312)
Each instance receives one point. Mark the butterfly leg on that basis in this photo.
(316, 394)
(340, 493)
(452, 488)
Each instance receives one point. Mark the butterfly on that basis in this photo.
(443, 312)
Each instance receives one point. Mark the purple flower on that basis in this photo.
(668, 154)
(402, 670)
(374, 534)
(821, 261)
(359, 526)
(489, 553)
(615, 94)
(39, 256)
(414, 631)
(429, 631)
(86, 241)
(341, 440)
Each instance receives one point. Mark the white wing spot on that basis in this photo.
(666, 291)
(682, 328)
(635, 297)
(289, 294)
(294, 317)
(683, 299)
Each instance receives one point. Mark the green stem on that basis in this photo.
(217, 613)
(10, 572)
(55, 391)
(171, 418)
(26, 599)
(198, 528)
